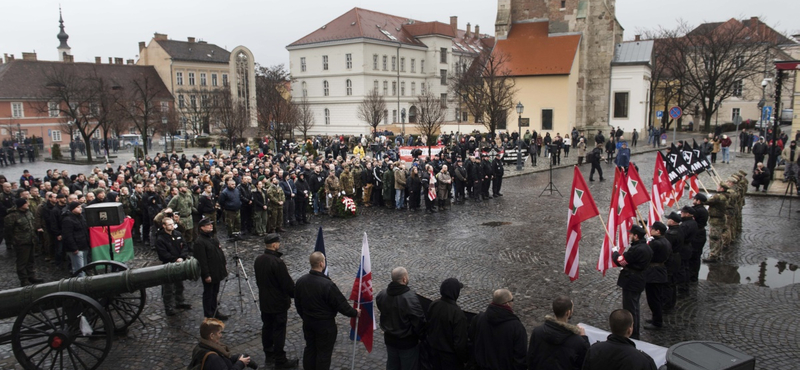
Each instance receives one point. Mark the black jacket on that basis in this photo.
(206, 205)
(638, 257)
(229, 199)
(170, 247)
(75, 233)
(215, 361)
(303, 189)
(275, 286)
(402, 318)
(617, 353)
(657, 271)
(318, 298)
(557, 346)
(689, 228)
(497, 168)
(500, 339)
(211, 257)
(447, 324)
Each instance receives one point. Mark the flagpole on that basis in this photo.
(713, 178)
(358, 316)
(605, 229)
(704, 187)
(715, 173)
(646, 229)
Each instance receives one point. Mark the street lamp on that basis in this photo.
(520, 108)
(71, 145)
(164, 121)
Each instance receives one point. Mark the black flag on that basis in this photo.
(676, 165)
(699, 159)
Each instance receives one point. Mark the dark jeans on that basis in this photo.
(444, 360)
(459, 191)
(172, 293)
(300, 207)
(656, 292)
(595, 167)
(320, 338)
(288, 211)
(273, 335)
(497, 182)
(630, 302)
(210, 293)
(402, 359)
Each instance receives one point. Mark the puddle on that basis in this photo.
(495, 223)
(770, 273)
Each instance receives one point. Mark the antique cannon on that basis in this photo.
(69, 324)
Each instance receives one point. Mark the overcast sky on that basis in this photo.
(113, 28)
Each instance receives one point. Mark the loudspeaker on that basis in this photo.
(104, 214)
(699, 355)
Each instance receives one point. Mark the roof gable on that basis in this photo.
(195, 51)
(533, 51)
(633, 52)
(362, 23)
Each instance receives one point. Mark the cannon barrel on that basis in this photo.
(14, 301)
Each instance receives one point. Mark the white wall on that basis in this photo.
(635, 80)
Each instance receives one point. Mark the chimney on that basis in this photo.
(160, 36)
(454, 23)
(637, 37)
(469, 28)
(477, 31)
(118, 61)
(753, 21)
(9, 57)
(191, 40)
(28, 56)
(69, 58)
(110, 60)
(142, 45)
(98, 60)
(129, 62)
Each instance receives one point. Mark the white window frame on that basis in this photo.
(224, 79)
(735, 112)
(348, 87)
(394, 63)
(17, 110)
(302, 64)
(179, 78)
(402, 64)
(422, 66)
(193, 101)
(422, 88)
(203, 80)
(327, 116)
(326, 88)
(385, 62)
(738, 87)
(191, 79)
(52, 109)
(385, 88)
(374, 62)
(402, 88)
(443, 55)
(394, 88)
(213, 79)
(413, 89)
(164, 106)
(55, 135)
(324, 62)
(348, 60)
(375, 85)
(413, 65)
(443, 77)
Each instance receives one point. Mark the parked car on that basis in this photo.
(129, 140)
(786, 116)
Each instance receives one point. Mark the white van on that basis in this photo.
(129, 140)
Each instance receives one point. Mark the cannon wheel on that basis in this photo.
(123, 308)
(63, 330)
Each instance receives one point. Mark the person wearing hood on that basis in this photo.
(402, 321)
(557, 344)
(498, 336)
(447, 329)
(211, 354)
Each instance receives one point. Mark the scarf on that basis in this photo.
(219, 348)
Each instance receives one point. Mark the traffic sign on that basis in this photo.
(675, 112)
(767, 112)
(659, 114)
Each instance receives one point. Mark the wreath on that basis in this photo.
(344, 207)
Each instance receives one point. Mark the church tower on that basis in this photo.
(597, 23)
(63, 48)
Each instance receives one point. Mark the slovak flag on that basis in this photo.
(432, 187)
(361, 294)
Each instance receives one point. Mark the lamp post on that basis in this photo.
(71, 146)
(19, 133)
(520, 108)
(164, 121)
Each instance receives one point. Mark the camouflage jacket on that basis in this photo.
(275, 195)
(183, 204)
(20, 227)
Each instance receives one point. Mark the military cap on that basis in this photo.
(205, 221)
(674, 216)
(687, 209)
(182, 184)
(724, 185)
(701, 197)
(272, 238)
(637, 230)
(658, 225)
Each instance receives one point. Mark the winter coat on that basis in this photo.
(318, 298)
(399, 178)
(662, 251)
(581, 149)
(210, 257)
(557, 345)
(447, 324)
(638, 257)
(220, 359)
(75, 233)
(402, 318)
(500, 339)
(20, 228)
(230, 200)
(617, 353)
(275, 286)
(170, 247)
(443, 185)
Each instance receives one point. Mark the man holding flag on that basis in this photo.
(631, 279)
(318, 299)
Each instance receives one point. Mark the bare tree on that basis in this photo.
(486, 88)
(231, 116)
(305, 117)
(147, 105)
(276, 112)
(371, 109)
(198, 108)
(105, 108)
(431, 115)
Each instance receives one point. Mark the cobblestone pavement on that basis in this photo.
(525, 254)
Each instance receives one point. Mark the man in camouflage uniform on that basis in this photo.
(20, 226)
(276, 199)
(6, 205)
(183, 204)
(332, 189)
(358, 182)
(719, 227)
(346, 181)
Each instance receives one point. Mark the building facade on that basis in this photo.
(337, 65)
(630, 86)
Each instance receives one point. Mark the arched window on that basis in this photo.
(325, 88)
(305, 89)
(327, 116)
(349, 87)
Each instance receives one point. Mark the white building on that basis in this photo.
(630, 86)
(336, 65)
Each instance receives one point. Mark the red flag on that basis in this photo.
(661, 189)
(636, 187)
(693, 188)
(625, 210)
(432, 187)
(605, 261)
(677, 192)
(581, 208)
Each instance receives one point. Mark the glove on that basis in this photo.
(649, 239)
(615, 249)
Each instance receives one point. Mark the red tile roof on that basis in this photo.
(533, 52)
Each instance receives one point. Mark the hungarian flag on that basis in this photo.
(661, 190)
(581, 208)
(122, 248)
(320, 247)
(636, 188)
(361, 294)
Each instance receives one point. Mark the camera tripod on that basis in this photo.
(551, 186)
(791, 187)
(239, 269)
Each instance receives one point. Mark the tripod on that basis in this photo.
(790, 189)
(239, 268)
(550, 186)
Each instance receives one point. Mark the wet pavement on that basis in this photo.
(749, 300)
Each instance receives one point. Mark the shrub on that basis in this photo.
(57, 152)
(203, 141)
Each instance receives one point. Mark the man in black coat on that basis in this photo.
(656, 279)
(75, 239)
(212, 267)
(618, 352)
(699, 241)
(500, 339)
(674, 270)
(557, 344)
(690, 230)
(171, 248)
(486, 167)
(497, 171)
(275, 291)
(447, 329)
(631, 279)
(594, 158)
(460, 177)
(402, 321)
(317, 301)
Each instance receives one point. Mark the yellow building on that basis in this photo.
(545, 71)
